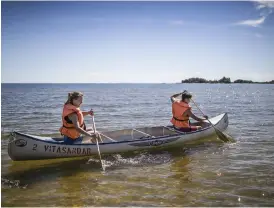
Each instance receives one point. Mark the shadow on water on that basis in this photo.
(24, 174)
(21, 174)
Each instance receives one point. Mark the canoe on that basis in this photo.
(29, 147)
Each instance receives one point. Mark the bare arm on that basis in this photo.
(190, 114)
(88, 113)
(73, 117)
(172, 98)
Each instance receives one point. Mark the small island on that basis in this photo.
(225, 80)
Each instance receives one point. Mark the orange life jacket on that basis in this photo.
(68, 128)
(178, 109)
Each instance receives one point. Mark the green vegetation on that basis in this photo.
(225, 80)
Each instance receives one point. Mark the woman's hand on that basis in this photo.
(206, 117)
(88, 113)
(91, 112)
(94, 137)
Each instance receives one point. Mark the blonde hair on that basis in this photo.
(72, 96)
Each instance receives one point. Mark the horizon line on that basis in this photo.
(90, 82)
(253, 82)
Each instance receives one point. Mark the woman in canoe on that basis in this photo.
(181, 112)
(73, 120)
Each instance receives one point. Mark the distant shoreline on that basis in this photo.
(128, 83)
(224, 83)
(224, 80)
(194, 80)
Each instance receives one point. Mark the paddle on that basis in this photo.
(94, 128)
(224, 137)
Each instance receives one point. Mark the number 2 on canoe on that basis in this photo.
(34, 147)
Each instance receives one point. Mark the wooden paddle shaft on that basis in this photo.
(221, 135)
(93, 125)
(94, 128)
(202, 113)
(97, 143)
(200, 110)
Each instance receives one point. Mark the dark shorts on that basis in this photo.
(186, 129)
(68, 140)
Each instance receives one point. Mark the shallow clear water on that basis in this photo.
(209, 174)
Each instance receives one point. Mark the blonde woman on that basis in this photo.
(73, 120)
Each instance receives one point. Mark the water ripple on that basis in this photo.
(207, 174)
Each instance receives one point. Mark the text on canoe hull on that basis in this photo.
(67, 150)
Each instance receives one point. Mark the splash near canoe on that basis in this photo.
(30, 147)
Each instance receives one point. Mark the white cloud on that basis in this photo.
(253, 23)
(265, 4)
(260, 6)
(265, 8)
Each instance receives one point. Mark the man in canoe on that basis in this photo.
(73, 120)
(181, 112)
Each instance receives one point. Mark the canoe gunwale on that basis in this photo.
(125, 141)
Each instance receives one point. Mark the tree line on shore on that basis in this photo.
(225, 80)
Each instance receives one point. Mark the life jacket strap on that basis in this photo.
(180, 119)
(68, 120)
(82, 126)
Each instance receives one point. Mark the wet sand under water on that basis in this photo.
(157, 178)
(209, 174)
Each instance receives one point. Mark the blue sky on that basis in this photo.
(68, 42)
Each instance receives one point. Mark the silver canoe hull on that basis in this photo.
(30, 147)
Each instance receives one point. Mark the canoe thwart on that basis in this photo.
(32, 147)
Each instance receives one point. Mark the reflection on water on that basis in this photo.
(204, 173)
(157, 178)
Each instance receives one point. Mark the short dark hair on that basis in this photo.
(186, 95)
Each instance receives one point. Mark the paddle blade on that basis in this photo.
(223, 136)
